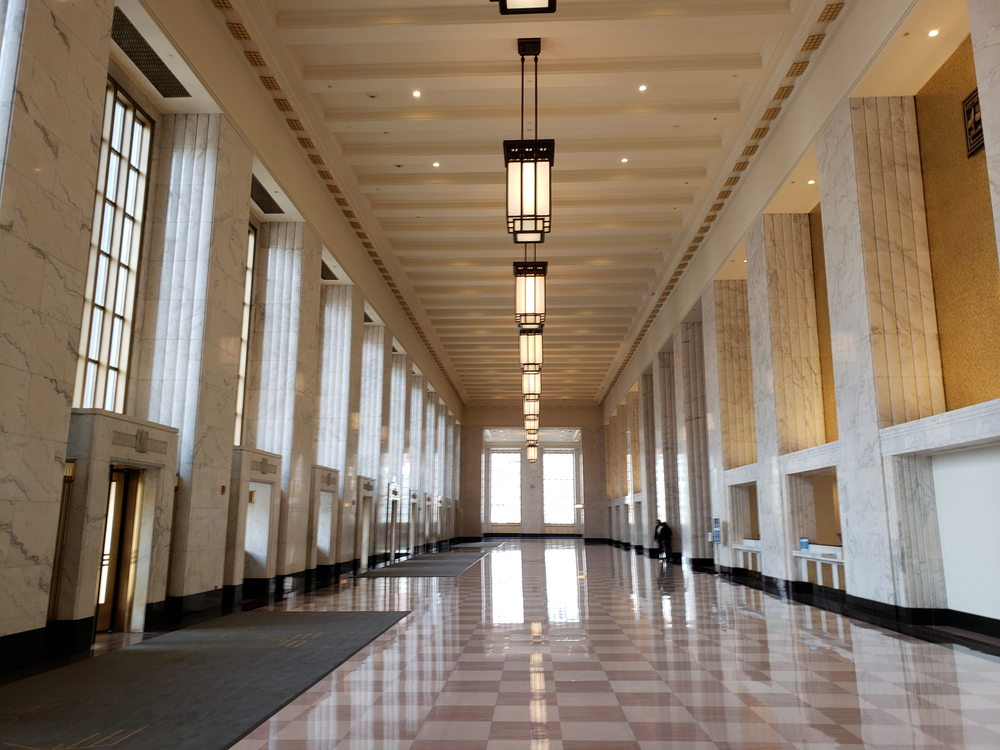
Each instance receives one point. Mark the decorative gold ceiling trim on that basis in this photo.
(812, 43)
(270, 83)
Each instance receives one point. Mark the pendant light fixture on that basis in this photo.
(531, 384)
(532, 454)
(529, 170)
(530, 347)
(518, 7)
(530, 407)
(529, 294)
(531, 422)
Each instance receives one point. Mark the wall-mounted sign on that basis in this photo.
(973, 123)
(804, 543)
(717, 530)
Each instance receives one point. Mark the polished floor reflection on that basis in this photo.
(561, 646)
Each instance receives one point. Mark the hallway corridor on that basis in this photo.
(553, 645)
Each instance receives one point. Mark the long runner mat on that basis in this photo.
(201, 688)
(433, 565)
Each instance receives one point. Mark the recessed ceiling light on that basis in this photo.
(437, 164)
(416, 94)
(624, 161)
(933, 32)
(744, 260)
(642, 88)
(811, 182)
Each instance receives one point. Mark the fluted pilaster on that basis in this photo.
(191, 335)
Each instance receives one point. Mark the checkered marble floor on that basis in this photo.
(556, 646)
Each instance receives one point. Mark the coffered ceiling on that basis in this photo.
(622, 232)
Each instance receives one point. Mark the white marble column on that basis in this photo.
(788, 390)
(282, 388)
(342, 311)
(594, 493)
(430, 445)
(634, 466)
(665, 426)
(190, 348)
(647, 432)
(51, 109)
(886, 365)
(413, 481)
(728, 394)
(472, 504)
(401, 391)
(694, 497)
(984, 21)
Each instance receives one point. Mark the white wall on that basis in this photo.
(967, 487)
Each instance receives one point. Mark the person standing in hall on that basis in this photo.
(664, 536)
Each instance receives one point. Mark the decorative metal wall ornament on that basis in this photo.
(973, 124)
(529, 170)
(529, 294)
(519, 7)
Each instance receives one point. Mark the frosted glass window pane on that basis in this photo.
(505, 487)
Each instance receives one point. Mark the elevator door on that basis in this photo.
(120, 553)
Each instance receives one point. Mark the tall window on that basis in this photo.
(111, 279)
(505, 487)
(558, 487)
(241, 385)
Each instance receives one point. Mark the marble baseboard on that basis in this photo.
(702, 564)
(599, 540)
(232, 598)
(193, 608)
(22, 650)
(519, 535)
(256, 592)
(945, 626)
(64, 637)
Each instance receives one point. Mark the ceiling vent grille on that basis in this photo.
(146, 60)
(262, 198)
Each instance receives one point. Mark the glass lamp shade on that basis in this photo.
(531, 423)
(531, 407)
(531, 383)
(532, 453)
(518, 7)
(529, 188)
(531, 351)
(529, 294)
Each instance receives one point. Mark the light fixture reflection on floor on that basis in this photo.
(529, 294)
(519, 7)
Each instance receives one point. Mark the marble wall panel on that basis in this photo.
(869, 178)
(283, 392)
(53, 69)
(984, 21)
(728, 393)
(694, 497)
(647, 441)
(326, 489)
(665, 426)
(250, 465)
(342, 310)
(472, 504)
(189, 364)
(95, 445)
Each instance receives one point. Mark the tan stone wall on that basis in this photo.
(962, 240)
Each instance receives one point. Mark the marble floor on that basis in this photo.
(551, 645)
